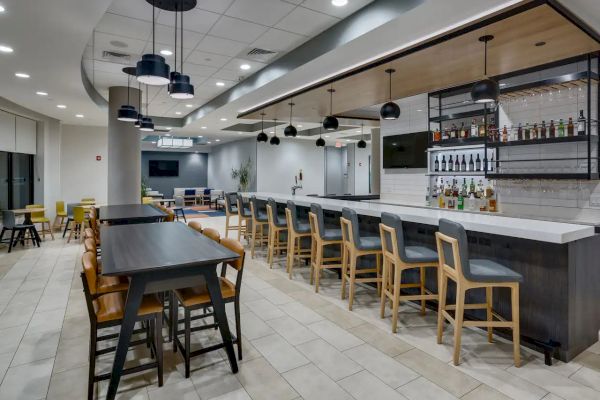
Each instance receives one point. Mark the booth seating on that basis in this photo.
(297, 230)
(259, 221)
(277, 232)
(322, 238)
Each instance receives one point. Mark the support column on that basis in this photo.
(376, 161)
(124, 150)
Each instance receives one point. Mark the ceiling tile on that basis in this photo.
(278, 40)
(236, 29)
(128, 27)
(235, 63)
(212, 81)
(202, 58)
(105, 41)
(196, 20)
(218, 6)
(166, 35)
(113, 68)
(339, 12)
(306, 22)
(265, 12)
(216, 45)
(195, 69)
(227, 74)
(139, 9)
(159, 46)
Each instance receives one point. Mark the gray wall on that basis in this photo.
(224, 157)
(193, 169)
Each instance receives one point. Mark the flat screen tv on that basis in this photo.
(163, 168)
(405, 151)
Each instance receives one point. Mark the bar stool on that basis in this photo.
(296, 231)
(9, 224)
(196, 225)
(322, 238)
(354, 246)
(40, 218)
(244, 216)
(277, 226)
(230, 211)
(61, 215)
(469, 274)
(178, 208)
(77, 223)
(397, 258)
(259, 221)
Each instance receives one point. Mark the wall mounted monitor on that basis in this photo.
(163, 167)
(405, 151)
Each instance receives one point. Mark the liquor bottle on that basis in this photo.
(436, 167)
(492, 163)
(561, 128)
(478, 163)
(472, 186)
(453, 132)
(472, 201)
(534, 131)
(493, 131)
(463, 164)
(441, 199)
(581, 124)
(456, 163)
(520, 132)
(570, 127)
(463, 131)
(482, 128)
(427, 200)
(471, 164)
(474, 130)
(437, 136)
(527, 132)
(552, 130)
(448, 190)
(543, 130)
(455, 188)
(450, 164)
(446, 134)
(444, 163)
(464, 188)
(460, 203)
(504, 134)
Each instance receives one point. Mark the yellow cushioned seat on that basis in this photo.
(111, 306)
(199, 294)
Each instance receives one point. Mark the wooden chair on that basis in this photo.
(454, 264)
(101, 284)
(40, 218)
(195, 225)
(61, 215)
(259, 221)
(197, 298)
(397, 258)
(244, 217)
(107, 310)
(355, 246)
(230, 211)
(322, 238)
(277, 227)
(297, 230)
(170, 216)
(77, 224)
(212, 234)
(147, 200)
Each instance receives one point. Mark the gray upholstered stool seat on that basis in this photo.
(303, 227)
(369, 243)
(490, 271)
(332, 234)
(419, 254)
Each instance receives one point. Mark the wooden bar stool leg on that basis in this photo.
(516, 326)
(378, 268)
(318, 262)
(458, 321)
(422, 275)
(253, 240)
(443, 287)
(92, 360)
(490, 317)
(396, 298)
(344, 269)
(384, 290)
(352, 279)
(188, 334)
(158, 340)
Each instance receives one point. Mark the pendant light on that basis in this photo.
(146, 124)
(320, 140)
(290, 130)
(330, 122)
(173, 75)
(152, 69)
(138, 122)
(274, 140)
(127, 112)
(262, 136)
(361, 143)
(486, 90)
(180, 87)
(390, 110)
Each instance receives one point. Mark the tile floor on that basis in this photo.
(297, 344)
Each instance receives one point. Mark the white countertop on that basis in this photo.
(525, 228)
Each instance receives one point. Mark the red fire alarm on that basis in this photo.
(98, 158)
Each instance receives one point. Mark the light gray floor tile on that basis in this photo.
(27, 382)
(5, 360)
(380, 339)
(336, 336)
(341, 317)
(301, 313)
(16, 315)
(264, 309)
(10, 338)
(262, 382)
(329, 359)
(311, 383)
(276, 296)
(484, 392)
(184, 390)
(279, 353)
(69, 385)
(46, 321)
(253, 327)
(215, 381)
(239, 394)
(365, 386)
(309, 298)
(34, 347)
(423, 389)
(291, 330)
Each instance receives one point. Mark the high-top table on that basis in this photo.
(130, 214)
(158, 257)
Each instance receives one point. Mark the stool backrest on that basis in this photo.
(453, 250)
(293, 212)
(8, 219)
(230, 201)
(241, 205)
(212, 234)
(317, 210)
(179, 201)
(78, 214)
(70, 207)
(90, 245)
(275, 215)
(88, 199)
(254, 207)
(351, 226)
(39, 214)
(238, 248)
(90, 269)
(60, 207)
(195, 225)
(170, 215)
(392, 235)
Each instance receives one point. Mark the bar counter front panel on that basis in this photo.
(558, 297)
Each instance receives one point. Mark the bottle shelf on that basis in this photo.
(458, 142)
(547, 86)
(456, 116)
(456, 173)
(530, 142)
(437, 148)
(552, 176)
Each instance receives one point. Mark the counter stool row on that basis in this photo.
(384, 258)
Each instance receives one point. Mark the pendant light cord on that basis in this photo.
(390, 85)
(147, 112)
(175, 69)
(127, 89)
(262, 122)
(275, 126)
(153, 27)
(140, 97)
(362, 131)
(291, 107)
(331, 101)
(181, 41)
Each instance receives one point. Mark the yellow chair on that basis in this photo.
(88, 201)
(40, 218)
(77, 224)
(147, 200)
(61, 215)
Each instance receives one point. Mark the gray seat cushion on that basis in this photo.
(369, 243)
(332, 234)
(280, 221)
(303, 227)
(419, 254)
(490, 271)
(262, 217)
(246, 212)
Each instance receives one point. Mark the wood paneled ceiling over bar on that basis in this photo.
(455, 61)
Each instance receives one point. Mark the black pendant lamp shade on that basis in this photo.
(330, 122)
(152, 68)
(138, 122)
(361, 143)
(486, 90)
(262, 136)
(390, 110)
(320, 141)
(290, 130)
(274, 140)
(127, 112)
(180, 87)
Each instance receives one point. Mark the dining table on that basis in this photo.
(130, 214)
(159, 257)
(26, 212)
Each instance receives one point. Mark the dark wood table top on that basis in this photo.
(129, 212)
(138, 248)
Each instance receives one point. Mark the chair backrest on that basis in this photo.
(242, 207)
(453, 247)
(179, 201)
(212, 234)
(39, 214)
(90, 245)
(352, 227)
(170, 216)
(8, 219)
(147, 200)
(390, 228)
(207, 191)
(317, 210)
(60, 207)
(230, 202)
(254, 207)
(189, 192)
(78, 214)
(195, 225)
(70, 207)
(90, 269)
(238, 248)
(92, 214)
(293, 211)
(88, 199)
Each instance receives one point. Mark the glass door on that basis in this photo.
(4, 180)
(22, 182)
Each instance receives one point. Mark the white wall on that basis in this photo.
(223, 158)
(81, 175)
(277, 166)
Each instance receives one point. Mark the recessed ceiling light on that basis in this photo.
(189, 105)
(327, 136)
(61, 106)
(41, 93)
(2, 9)
(240, 133)
(5, 49)
(339, 3)
(245, 67)
(502, 84)
(153, 142)
(200, 136)
(21, 75)
(419, 110)
(79, 115)
(347, 140)
(166, 52)
(217, 140)
(208, 142)
(202, 127)
(168, 128)
(272, 132)
(167, 134)
(220, 83)
(177, 112)
(358, 131)
(223, 119)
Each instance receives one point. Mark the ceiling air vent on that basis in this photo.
(261, 55)
(116, 57)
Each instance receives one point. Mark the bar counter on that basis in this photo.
(558, 262)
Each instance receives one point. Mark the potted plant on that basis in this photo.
(144, 188)
(242, 175)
